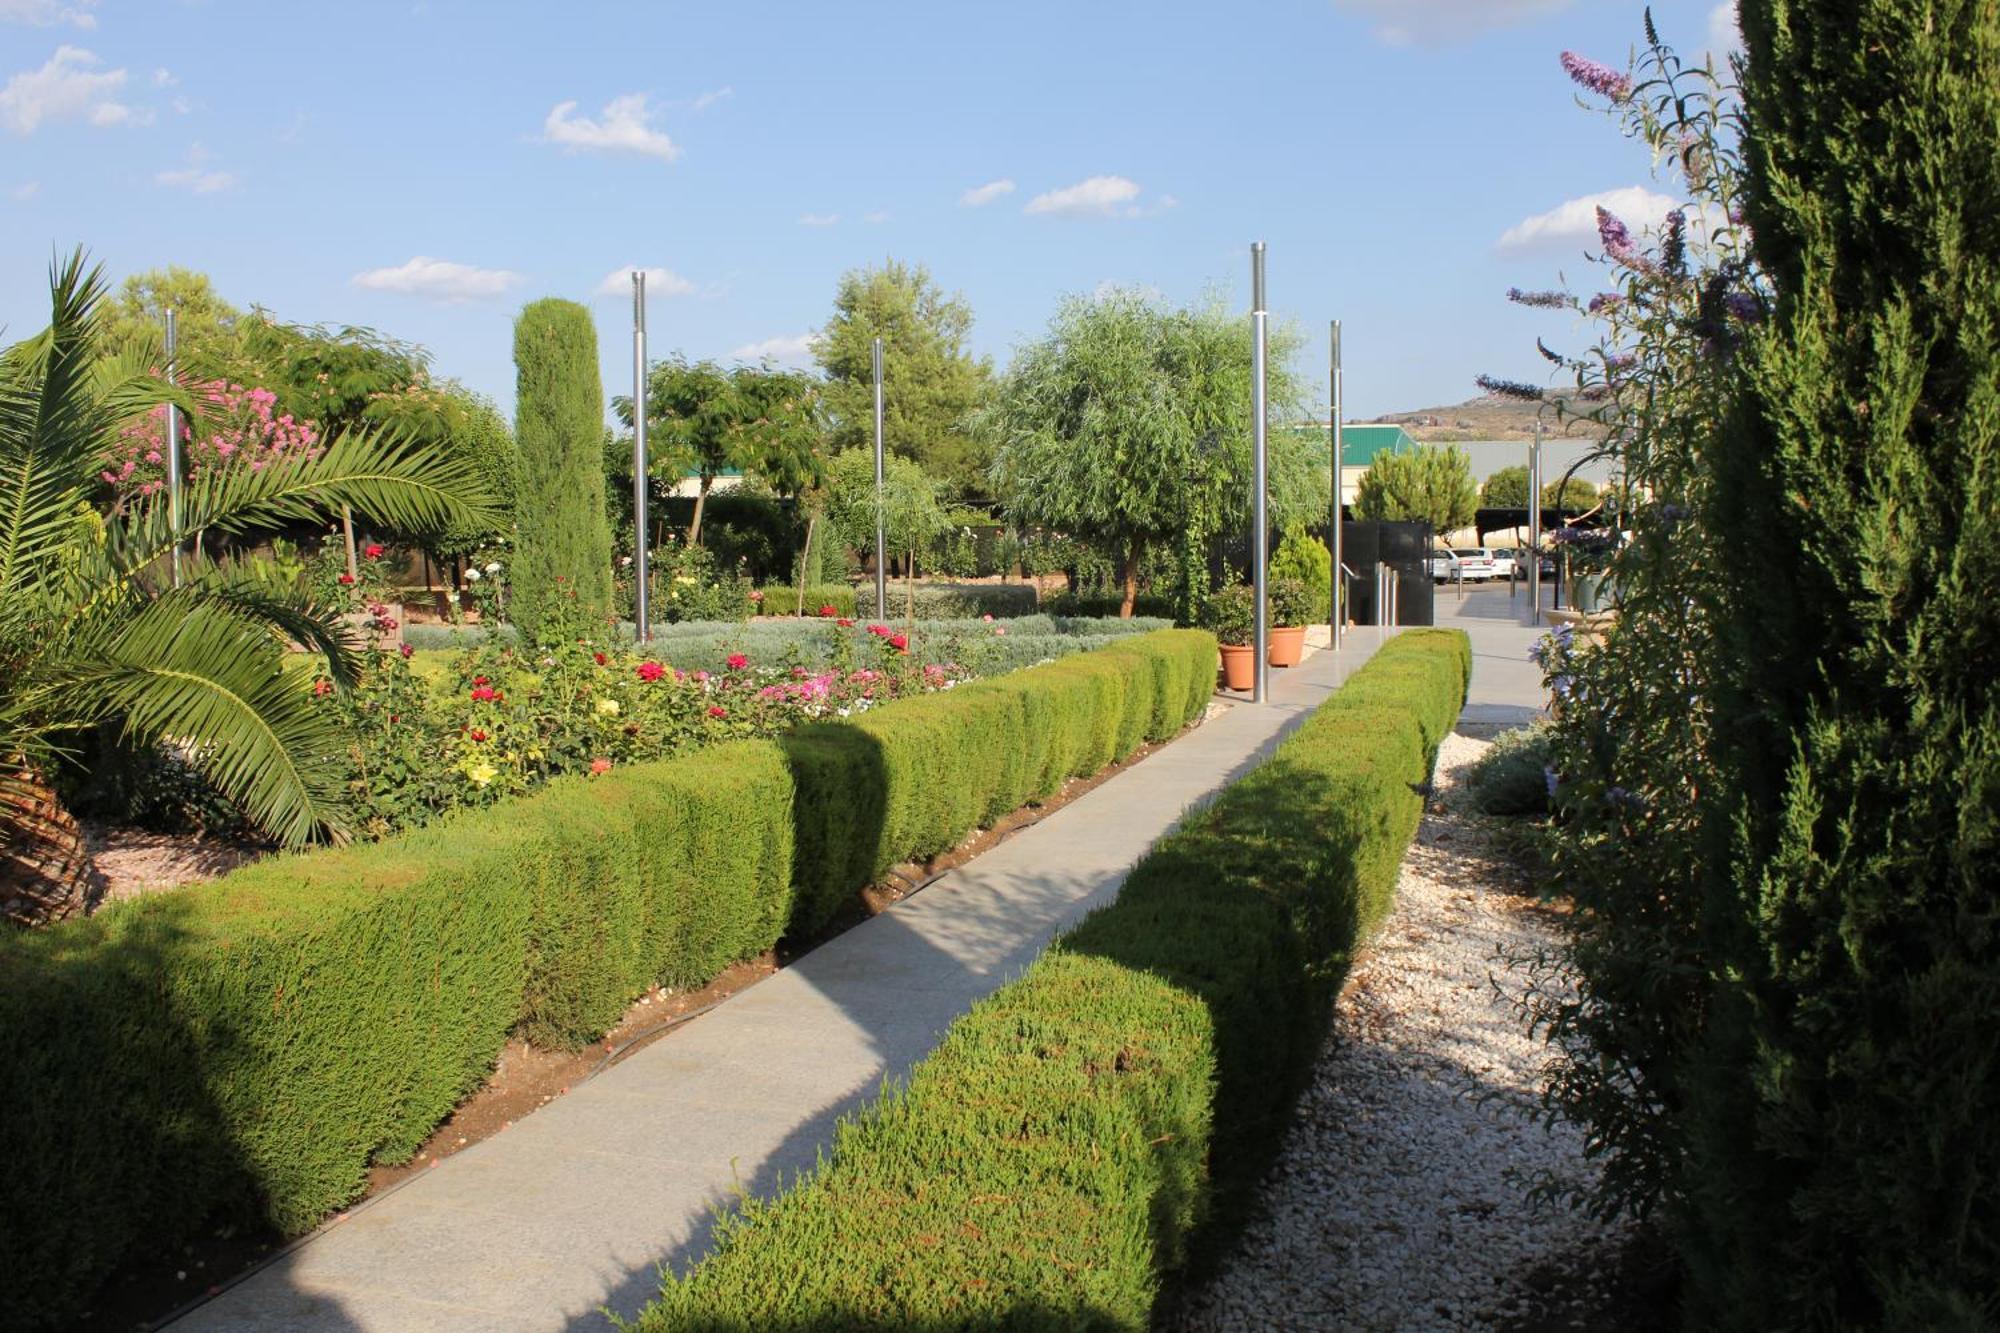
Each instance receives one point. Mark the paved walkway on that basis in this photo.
(1506, 687)
(578, 1205)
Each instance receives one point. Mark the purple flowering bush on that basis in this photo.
(1627, 752)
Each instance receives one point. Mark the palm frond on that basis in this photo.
(194, 671)
(383, 475)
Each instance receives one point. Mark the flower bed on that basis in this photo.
(1050, 1162)
(243, 1050)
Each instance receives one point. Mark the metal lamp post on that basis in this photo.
(881, 536)
(1260, 535)
(173, 454)
(1339, 580)
(642, 609)
(1535, 528)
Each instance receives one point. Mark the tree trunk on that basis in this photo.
(700, 503)
(1133, 554)
(347, 535)
(45, 869)
(805, 558)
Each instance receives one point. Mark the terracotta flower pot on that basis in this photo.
(1239, 666)
(1288, 645)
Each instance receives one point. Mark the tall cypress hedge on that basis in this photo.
(563, 561)
(1845, 1145)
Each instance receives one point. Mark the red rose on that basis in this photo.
(347, 578)
(322, 688)
(737, 661)
(372, 551)
(598, 658)
(718, 711)
(406, 650)
(484, 693)
(845, 623)
(651, 671)
(829, 610)
(476, 734)
(900, 642)
(479, 680)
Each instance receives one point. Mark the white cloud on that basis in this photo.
(47, 13)
(624, 127)
(68, 87)
(793, 350)
(439, 280)
(196, 176)
(708, 99)
(1573, 223)
(1425, 22)
(1100, 196)
(25, 191)
(659, 282)
(981, 195)
(818, 219)
(1725, 35)
(878, 215)
(164, 78)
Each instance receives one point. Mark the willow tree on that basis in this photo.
(1129, 426)
(563, 556)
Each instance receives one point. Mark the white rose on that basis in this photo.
(472, 576)
(493, 568)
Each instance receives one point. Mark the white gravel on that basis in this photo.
(1398, 1202)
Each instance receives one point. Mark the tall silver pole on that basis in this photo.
(642, 608)
(1339, 582)
(881, 536)
(1535, 528)
(173, 452)
(1260, 534)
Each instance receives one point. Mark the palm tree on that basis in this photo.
(93, 630)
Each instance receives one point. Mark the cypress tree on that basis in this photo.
(562, 566)
(1845, 1153)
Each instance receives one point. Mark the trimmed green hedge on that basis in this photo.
(783, 601)
(950, 601)
(248, 1048)
(1049, 1164)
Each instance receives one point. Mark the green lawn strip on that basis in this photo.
(244, 1050)
(1052, 1162)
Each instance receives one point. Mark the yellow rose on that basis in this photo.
(482, 773)
(607, 707)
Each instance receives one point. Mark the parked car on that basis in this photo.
(1472, 563)
(1503, 562)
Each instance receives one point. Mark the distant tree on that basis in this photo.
(564, 543)
(911, 515)
(1508, 489)
(207, 332)
(1429, 484)
(703, 419)
(1125, 425)
(931, 382)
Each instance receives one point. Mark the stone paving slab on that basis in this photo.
(578, 1206)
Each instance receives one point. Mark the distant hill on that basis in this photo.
(1490, 417)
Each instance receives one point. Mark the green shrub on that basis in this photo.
(246, 1049)
(1512, 777)
(947, 763)
(1054, 1159)
(562, 558)
(780, 600)
(1304, 557)
(947, 601)
(1096, 605)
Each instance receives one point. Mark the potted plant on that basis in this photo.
(1232, 618)
(1587, 557)
(1291, 606)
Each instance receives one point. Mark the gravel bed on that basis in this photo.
(1399, 1200)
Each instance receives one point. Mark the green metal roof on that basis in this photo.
(1360, 443)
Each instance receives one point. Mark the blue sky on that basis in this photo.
(426, 168)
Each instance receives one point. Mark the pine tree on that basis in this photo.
(1845, 1147)
(563, 563)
